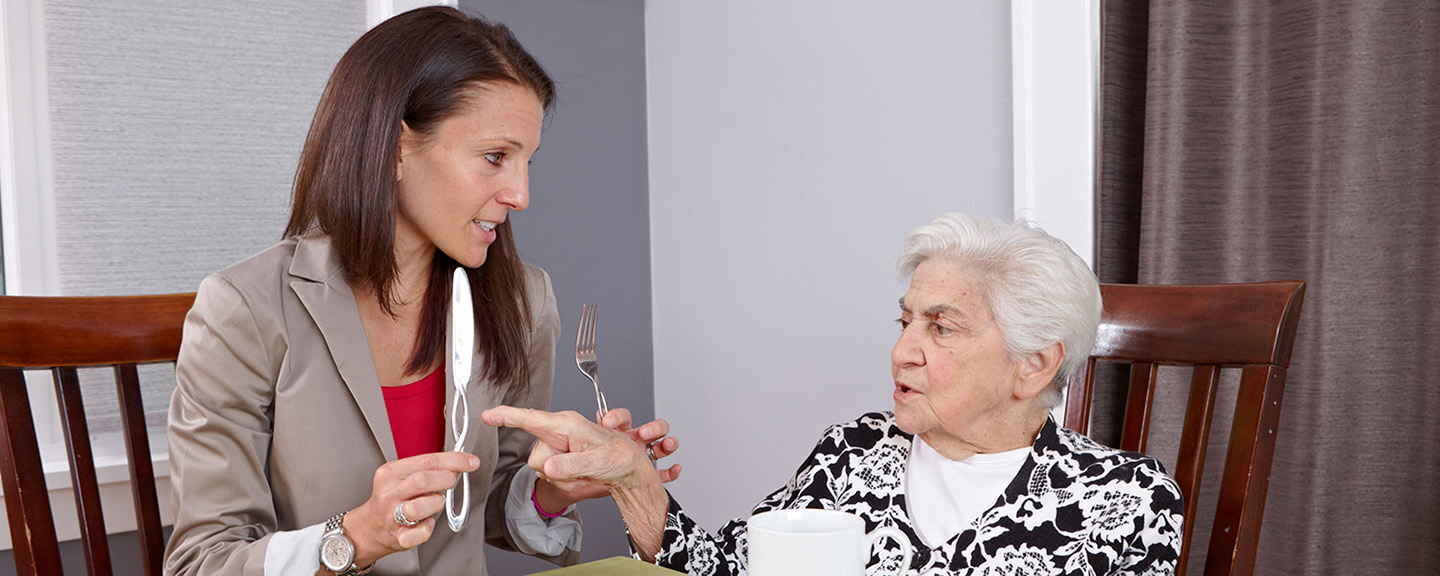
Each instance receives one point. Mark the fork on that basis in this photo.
(585, 354)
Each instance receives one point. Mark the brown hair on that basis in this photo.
(419, 67)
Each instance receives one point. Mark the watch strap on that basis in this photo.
(332, 526)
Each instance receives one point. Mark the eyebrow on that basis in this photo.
(936, 310)
(484, 142)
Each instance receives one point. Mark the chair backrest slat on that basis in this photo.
(84, 483)
(1246, 480)
(60, 334)
(27, 502)
(142, 470)
(1139, 406)
(1194, 440)
(1247, 326)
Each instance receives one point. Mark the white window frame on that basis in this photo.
(26, 198)
(28, 219)
(1055, 48)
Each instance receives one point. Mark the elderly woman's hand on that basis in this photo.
(653, 437)
(573, 450)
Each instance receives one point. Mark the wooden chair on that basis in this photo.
(61, 334)
(1246, 326)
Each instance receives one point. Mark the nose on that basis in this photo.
(907, 350)
(515, 195)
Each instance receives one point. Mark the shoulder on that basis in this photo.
(256, 281)
(868, 431)
(537, 285)
(1095, 465)
(540, 295)
(1083, 450)
(263, 269)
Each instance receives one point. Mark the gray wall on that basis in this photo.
(588, 219)
(792, 146)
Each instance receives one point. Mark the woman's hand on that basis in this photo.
(573, 450)
(653, 437)
(417, 483)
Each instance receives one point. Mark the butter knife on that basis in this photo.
(460, 351)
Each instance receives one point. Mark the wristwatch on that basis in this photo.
(337, 553)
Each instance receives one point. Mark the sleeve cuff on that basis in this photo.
(294, 551)
(533, 534)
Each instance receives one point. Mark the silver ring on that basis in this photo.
(650, 451)
(400, 516)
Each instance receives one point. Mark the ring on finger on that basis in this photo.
(650, 451)
(400, 516)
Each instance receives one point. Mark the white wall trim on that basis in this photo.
(27, 212)
(1055, 48)
(1055, 70)
(376, 11)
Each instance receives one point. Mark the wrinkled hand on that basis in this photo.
(653, 435)
(583, 458)
(573, 450)
(419, 482)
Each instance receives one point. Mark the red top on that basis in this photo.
(417, 419)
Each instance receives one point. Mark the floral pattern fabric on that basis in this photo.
(1075, 508)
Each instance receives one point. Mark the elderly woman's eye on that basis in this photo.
(903, 323)
(940, 329)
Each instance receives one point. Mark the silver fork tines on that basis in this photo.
(585, 354)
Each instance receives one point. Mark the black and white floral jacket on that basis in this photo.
(1075, 507)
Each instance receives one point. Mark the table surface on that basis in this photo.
(611, 567)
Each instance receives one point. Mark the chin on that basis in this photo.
(470, 260)
(905, 422)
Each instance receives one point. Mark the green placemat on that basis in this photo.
(611, 567)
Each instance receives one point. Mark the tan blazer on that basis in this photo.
(278, 422)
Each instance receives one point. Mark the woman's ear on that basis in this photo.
(1038, 369)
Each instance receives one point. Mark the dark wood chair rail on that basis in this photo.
(61, 334)
(1208, 327)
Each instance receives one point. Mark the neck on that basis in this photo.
(413, 263)
(1008, 430)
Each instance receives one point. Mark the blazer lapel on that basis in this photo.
(320, 284)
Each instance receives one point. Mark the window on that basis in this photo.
(142, 149)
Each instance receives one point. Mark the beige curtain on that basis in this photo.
(1277, 140)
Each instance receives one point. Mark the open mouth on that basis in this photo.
(488, 226)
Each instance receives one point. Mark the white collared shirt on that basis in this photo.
(945, 496)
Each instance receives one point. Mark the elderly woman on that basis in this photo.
(969, 467)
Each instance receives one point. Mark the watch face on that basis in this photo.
(336, 553)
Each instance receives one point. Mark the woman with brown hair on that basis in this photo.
(308, 424)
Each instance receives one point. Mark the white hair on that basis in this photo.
(1039, 291)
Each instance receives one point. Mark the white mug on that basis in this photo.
(811, 542)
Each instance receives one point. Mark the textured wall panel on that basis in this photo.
(176, 126)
